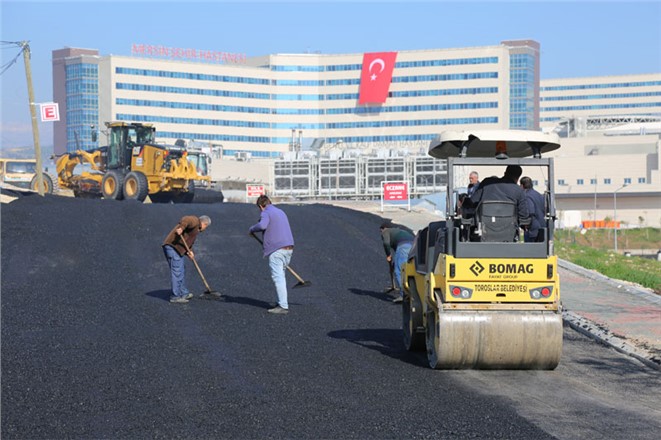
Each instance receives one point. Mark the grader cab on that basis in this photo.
(132, 166)
(475, 295)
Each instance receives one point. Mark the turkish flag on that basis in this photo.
(376, 76)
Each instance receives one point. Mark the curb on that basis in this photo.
(603, 335)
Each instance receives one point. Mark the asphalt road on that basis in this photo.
(91, 348)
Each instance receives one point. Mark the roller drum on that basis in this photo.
(494, 340)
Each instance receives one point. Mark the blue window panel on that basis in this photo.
(602, 86)
(607, 96)
(607, 181)
(291, 82)
(254, 153)
(281, 97)
(191, 91)
(601, 107)
(212, 137)
(192, 121)
(398, 65)
(641, 180)
(192, 106)
(193, 76)
(297, 68)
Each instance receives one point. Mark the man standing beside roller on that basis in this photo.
(278, 244)
(397, 245)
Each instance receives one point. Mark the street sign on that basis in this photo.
(395, 192)
(50, 112)
(254, 191)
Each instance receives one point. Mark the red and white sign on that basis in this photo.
(395, 191)
(376, 76)
(212, 56)
(50, 112)
(254, 190)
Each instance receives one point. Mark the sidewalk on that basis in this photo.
(623, 316)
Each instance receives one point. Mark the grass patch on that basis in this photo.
(593, 250)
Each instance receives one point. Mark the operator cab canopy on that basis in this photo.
(501, 144)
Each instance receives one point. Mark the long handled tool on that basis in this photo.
(301, 282)
(392, 287)
(213, 293)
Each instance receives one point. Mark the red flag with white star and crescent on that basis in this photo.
(376, 77)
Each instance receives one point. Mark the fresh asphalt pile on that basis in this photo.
(91, 348)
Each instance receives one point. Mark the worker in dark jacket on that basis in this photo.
(503, 189)
(278, 246)
(397, 245)
(174, 249)
(536, 208)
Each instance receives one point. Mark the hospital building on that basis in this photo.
(272, 106)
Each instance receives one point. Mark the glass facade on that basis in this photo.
(522, 91)
(82, 104)
(253, 104)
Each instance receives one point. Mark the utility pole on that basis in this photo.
(33, 113)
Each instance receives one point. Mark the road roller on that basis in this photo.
(476, 294)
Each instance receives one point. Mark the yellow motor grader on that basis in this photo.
(132, 166)
(475, 296)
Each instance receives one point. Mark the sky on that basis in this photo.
(578, 38)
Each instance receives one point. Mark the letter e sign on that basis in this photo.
(50, 112)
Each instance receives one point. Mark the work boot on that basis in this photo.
(188, 296)
(178, 299)
(278, 310)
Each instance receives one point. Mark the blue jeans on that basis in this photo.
(177, 271)
(278, 262)
(401, 255)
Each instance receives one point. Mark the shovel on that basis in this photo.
(213, 293)
(392, 287)
(301, 282)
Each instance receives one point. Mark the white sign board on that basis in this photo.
(254, 191)
(395, 192)
(50, 112)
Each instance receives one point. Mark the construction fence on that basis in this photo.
(355, 176)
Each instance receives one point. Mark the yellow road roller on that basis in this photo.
(476, 294)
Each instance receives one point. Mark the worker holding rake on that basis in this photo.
(178, 244)
(278, 244)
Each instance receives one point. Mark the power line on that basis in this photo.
(5, 44)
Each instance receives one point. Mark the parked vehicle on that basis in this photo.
(22, 173)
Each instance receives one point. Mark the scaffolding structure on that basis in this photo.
(348, 175)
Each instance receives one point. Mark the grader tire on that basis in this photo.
(48, 183)
(136, 186)
(412, 319)
(111, 185)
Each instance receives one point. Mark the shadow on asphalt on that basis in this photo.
(247, 301)
(160, 294)
(378, 295)
(384, 340)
